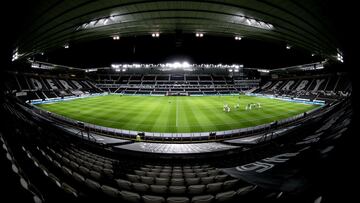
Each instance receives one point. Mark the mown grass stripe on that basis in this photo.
(175, 114)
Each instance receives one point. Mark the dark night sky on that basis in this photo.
(180, 47)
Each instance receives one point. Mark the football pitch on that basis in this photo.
(176, 113)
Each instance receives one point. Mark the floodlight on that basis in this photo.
(238, 38)
(198, 34)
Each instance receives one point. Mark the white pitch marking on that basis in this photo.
(177, 112)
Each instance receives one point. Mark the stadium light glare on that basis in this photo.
(66, 46)
(288, 47)
(238, 38)
(185, 64)
(319, 67)
(91, 70)
(116, 37)
(155, 34)
(198, 34)
(177, 65)
(15, 55)
(115, 65)
(263, 70)
(339, 56)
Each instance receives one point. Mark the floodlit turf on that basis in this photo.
(175, 114)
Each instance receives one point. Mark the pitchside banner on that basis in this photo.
(283, 172)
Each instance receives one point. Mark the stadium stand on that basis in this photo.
(165, 84)
(318, 87)
(32, 86)
(82, 170)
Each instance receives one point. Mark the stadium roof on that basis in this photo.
(52, 23)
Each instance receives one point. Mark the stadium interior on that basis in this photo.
(178, 102)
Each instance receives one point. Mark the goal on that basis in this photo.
(177, 93)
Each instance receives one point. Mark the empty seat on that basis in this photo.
(65, 160)
(68, 189)
(74, 165)
(130, 196)
(177, 181)
(78, 177)
(177, 171)
(54, 179)
(110, 191)
(214, 187)
(245, 190)
(92, 184)
(123, 184)
(207, 180)
(107, 165)
(153, 199)
(87, 165)
(193, 181)
(139, 173)
(147, 180)
(220, 178)
(140, 187)
(188, 170)
(109, 173)
(161, 181)
(133, 178)
(97, 168)
(225, 196)
(95, 175)
(176, 175)
(190, 175)
(155, 170)
(177, 200)
(84, 170)
(164, 175)
(66, 171)
(152, 174)
(196, 189)
(57, 164)
(202, 174)
(230, 184)
(202, 199)
(213, 172)
(158, 189)
(166, 170)
(177, 190)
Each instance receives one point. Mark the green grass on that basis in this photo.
(175, 114)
